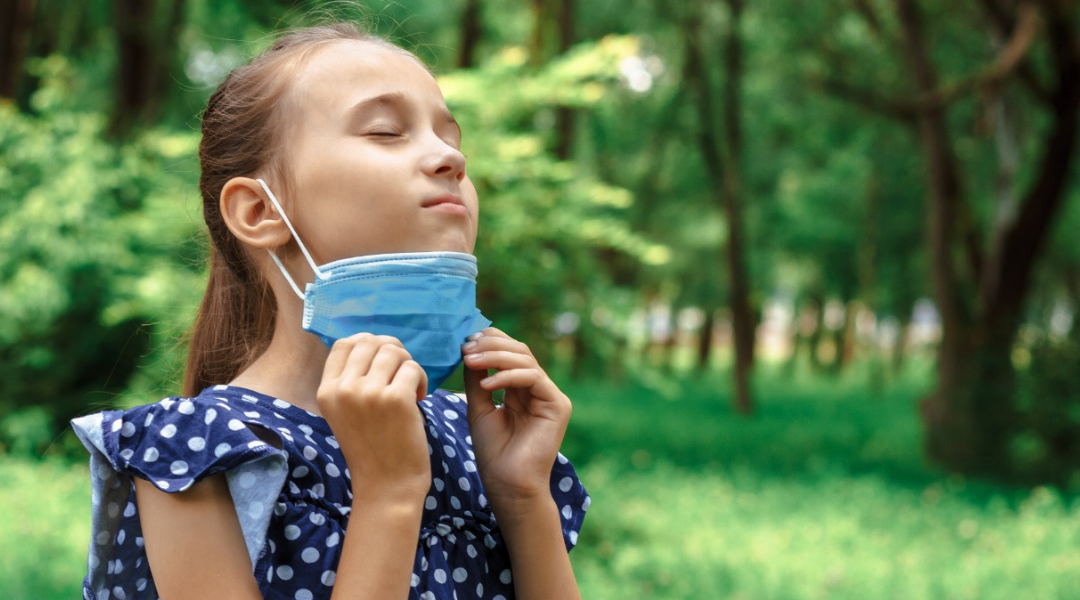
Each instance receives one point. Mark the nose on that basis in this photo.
(444, 160)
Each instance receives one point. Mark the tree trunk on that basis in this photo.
(472, 30)
(705, 341)
(145, 54)
(16, 18)
(722, 164)
(564, 115)
(969, 417)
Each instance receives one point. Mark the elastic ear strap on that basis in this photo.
(284, 217)
(284, 272)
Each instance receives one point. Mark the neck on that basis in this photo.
(291, 368)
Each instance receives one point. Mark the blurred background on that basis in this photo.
(809, 270)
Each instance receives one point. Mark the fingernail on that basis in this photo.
(473, 356)
(486, 380)
(475, 336)
(470, 346)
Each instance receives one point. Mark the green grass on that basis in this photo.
(822, 494)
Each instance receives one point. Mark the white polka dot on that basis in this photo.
(282, 404)
(167, 403)
(140, 584)
(197, 444)
(479, 590)
(149, 419)
(460, 575)
(332, 470)
(565, 484)
(162, 484)
(471, 550)
(256, 510)
(450, 414)
(317, 518)
(562, 459)
(310, 555)
(310, 453)
(438, 483)
(178, 467)
(211, 414)
(128, 429)
(252, 414)
(415, 580)
(270, 574)
(236, 424)
(573, 538)
(332, 540)
(117, 424)
(300, 471)
(119, 593)
(470, 466)
(332, 441)
(587, 503)
(284, 572)
(449, 450)
(247, 479)
(328, 577)
(505, 577)
(455, 502)
(440, 575)
(291, 533)
(186, 407)
(318, 490)
(463, 483)
(168, 431)
(222, 448)
(114, 509)
(430, 503)
(127, 453)
(566, 512)
(303, 594)
(121, 536)
(129, 510)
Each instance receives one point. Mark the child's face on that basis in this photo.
(375, 157)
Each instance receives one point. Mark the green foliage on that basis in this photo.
(97, 250)
(545, 225)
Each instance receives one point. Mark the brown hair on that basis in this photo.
(242, 128)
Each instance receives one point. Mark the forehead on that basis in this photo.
(342, 73)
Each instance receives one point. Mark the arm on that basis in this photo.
(195, 531)
(516, 446)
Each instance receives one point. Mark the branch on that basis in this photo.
(1004, 22)
(908, 108)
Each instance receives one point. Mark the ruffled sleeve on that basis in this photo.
(572, 499)
(173, 444)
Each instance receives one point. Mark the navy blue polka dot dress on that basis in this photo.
(292, 493)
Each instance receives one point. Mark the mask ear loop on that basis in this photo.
(273, 255)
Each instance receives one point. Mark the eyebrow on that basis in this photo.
(392, 99)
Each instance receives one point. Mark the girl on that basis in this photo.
(304, 466)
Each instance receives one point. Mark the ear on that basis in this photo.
(250, 216)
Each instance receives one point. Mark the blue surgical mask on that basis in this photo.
(425, 299)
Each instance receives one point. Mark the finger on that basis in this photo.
(478, 400)
(338, 358)
(501, 360)
(385, 364)
(410, 377)
(533, 380)
(490, 342)
(359, 360)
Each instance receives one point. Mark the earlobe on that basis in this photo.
(250, 216)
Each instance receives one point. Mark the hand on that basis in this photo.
(516, 444)
(368, 395)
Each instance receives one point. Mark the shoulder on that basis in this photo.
(176, 441)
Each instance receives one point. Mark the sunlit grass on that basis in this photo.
(44, 528)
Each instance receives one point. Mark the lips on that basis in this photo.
(443, 199)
